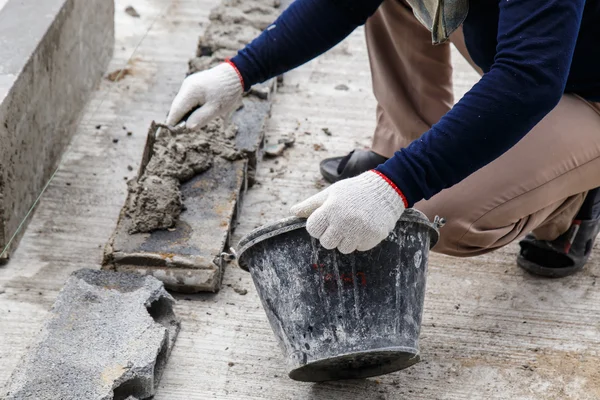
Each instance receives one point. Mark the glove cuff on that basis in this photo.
(237, 71)
(393, 185)
(230, 78)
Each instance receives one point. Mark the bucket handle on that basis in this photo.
(227, 257)
(438, 221)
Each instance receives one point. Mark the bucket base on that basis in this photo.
(356, 365)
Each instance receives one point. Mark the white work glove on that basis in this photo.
(353, 214)
(216, 91)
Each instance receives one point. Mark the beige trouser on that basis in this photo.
(538, 185)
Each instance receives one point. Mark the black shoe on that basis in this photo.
(358, 161)
(563, 256)
(570, 251)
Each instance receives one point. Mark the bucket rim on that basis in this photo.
(268, 231)
(289, 224)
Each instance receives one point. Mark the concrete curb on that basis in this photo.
(54, 54)
(189, 257)
(108, 337)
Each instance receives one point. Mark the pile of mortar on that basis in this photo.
(179, 154)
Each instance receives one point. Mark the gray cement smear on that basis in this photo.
(154, 200)
(108, 338)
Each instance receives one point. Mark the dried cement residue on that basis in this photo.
(234, 24)
(252, 13)
(226, 36)
(154, 200)
(201, 63)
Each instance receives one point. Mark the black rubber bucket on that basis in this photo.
(339, 316)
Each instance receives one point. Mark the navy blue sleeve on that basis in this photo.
(536, 41)
(306, 29)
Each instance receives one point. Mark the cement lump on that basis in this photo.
(240, 3)
(154, 200)
(205, 62)
(249, 13)
(230, 37)
(235, 23)
(108, 337)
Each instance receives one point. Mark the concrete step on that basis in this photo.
(53, 54)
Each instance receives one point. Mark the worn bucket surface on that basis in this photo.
(339, 316)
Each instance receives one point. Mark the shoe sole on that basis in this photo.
(539, 270)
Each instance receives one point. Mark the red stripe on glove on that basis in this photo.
(228, 61)
(393, 185)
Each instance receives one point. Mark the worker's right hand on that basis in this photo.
(216, 91)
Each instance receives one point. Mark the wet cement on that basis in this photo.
(179, 154)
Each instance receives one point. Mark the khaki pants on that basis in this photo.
(538, 185)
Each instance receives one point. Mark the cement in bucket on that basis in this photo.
(339, 316)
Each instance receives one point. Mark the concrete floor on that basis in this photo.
(489, 330)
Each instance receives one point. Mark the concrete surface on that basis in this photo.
(489, 332)
(52, 55)
(109, 336)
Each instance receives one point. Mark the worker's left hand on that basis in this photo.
(353, 214)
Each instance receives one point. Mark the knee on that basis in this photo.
(464, 237)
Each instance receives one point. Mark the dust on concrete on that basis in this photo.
(118, 74)
(179, 154)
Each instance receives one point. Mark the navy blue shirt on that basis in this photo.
(532, 51)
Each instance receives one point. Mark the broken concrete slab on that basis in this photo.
(108, 338)
(46, 77)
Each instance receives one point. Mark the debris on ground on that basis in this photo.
(118, 74)
(239, 291)
(342, 87)
(132, 12)
(276, 149)
(319, 147)
(326, 131)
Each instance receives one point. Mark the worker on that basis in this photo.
(518, 156)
